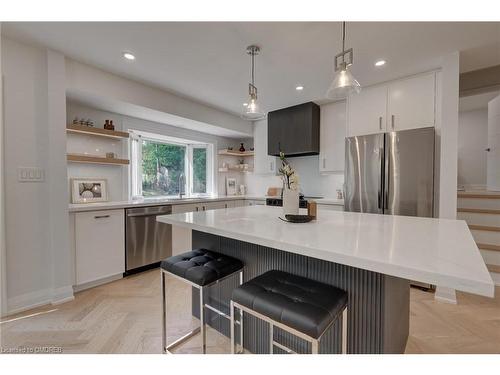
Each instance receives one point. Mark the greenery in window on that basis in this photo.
(199, 170)
(162, 165)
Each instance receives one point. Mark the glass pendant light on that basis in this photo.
(252, 111)
(344, 84)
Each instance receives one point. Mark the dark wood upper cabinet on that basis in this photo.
(294, 130)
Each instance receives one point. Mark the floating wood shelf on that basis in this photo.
(235, 153)
(75, 158)
(233, 169)
(81, 129)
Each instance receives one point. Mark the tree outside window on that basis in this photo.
(162, 165)
(157, 165)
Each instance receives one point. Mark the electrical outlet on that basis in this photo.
(30, 174)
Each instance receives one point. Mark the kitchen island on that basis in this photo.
(371, 256)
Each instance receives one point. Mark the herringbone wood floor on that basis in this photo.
(124, 317)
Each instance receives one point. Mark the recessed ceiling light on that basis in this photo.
(380, 63)
(245, 104)
(299, 88)
(128, 56)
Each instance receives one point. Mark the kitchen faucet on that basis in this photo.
(182, 183)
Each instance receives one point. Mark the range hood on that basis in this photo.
(294, 130)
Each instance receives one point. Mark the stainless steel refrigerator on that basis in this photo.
(391, 173)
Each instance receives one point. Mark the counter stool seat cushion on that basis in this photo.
(201, 266)
(305, 305)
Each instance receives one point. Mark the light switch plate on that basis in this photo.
(30, 174)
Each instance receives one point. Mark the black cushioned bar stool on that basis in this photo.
(201, 269)
(300, 306)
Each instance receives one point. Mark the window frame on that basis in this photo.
(136, 139)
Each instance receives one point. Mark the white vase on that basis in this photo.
(290, 202)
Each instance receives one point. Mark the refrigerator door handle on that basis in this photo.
(381, 186)
(387, 173)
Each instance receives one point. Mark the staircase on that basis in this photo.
(481, 211)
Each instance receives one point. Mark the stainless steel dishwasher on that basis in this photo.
(147, 241)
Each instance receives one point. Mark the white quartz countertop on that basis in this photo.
(82, 207)
(436, 251)
(154, 202)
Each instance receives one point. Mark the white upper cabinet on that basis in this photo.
(332, 137)
(367, 111)
(263, 163)
(411, 103)
(407, 103)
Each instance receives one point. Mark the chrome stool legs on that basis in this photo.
(202, 328)
(314, 341)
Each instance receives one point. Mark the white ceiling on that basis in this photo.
(207, 61)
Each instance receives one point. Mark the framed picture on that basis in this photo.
(89, 190)
(230, 186)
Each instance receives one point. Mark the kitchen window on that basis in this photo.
(164, 166)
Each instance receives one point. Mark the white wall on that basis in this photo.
(138, 100)
(493, 156)
(447, 136)
(472, 142)
(3, 273)
(37, 252)
(117, 176)
(447, 148)
(312, 183)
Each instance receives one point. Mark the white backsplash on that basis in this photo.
(312, 182)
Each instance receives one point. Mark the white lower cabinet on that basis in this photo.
(181, 237)
(255, 202)
(99, 245)
(213, 205)
(238, 203)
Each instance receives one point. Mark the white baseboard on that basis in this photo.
(28, 301)
(39, 298)
(92, 284)
(63, 294)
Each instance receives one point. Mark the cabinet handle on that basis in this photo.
(380, 122)
(392, 121)
(101, 217)
(324, 163)
(271, 167)
(488, 149)
(197, 209)
(203, 208)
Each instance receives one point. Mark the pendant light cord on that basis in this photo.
(253, 64)
(343, 42)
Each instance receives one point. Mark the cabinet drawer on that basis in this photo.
(100, 245)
